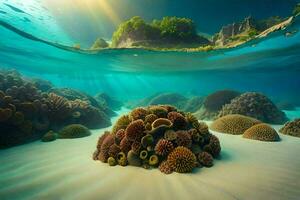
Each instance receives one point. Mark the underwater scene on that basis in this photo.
(140, 99)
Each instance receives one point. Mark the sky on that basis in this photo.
(85, 20)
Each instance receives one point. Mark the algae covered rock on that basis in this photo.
(234, 124)
(291, 128)
(262, 132)
(74, 131)
(254, 105)
(49, 136)
(214, 102)
(172, 142)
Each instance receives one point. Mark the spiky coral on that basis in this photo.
(262, 132)
(163, 147)
(135, 130)
(165, 168)
(105, 147)
(183, 139)
(182, 160)
(291, 128)
(74, 131)
(178, 120)
(205, 159)
(233, 124)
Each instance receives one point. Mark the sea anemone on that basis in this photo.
(161, 122)
(262, 132)
(153, 160)
(74, 131)
(165, 168)
(178, 120)
(233, 124)
(183, 139)
(291, 128)
(163, 147)
(205, 159)
(182, 160)
(150, 118)
(138, 113)
(135, 130)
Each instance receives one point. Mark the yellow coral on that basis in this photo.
(262, 132)
(233, 124)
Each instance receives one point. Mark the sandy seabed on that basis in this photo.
(64, 169)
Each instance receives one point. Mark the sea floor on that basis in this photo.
(64, 169)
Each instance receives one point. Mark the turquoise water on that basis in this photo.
(269, 65)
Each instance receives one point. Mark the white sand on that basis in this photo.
(64, 169)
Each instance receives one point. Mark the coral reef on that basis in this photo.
(173, 142)
(291, 128)
(106, 100)
(262, 132)
(213, 103)
(254, 105)
(233, 124)
(74, 131)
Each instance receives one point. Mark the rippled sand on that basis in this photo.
(64, 169)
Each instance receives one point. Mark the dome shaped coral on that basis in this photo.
(182, 160)
(121, 123)
(254, 105)
(74, 131)
(205, 159)
(262, 132)
(233, 124)
(291, 128)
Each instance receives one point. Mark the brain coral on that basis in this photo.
(262, 132)
(182, 160)
(74, 131)
(233, 124)
(291, 128)
(161, 145)
(254, 105)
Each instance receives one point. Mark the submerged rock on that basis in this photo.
(74, 131)
(168, 143)
(291, 128)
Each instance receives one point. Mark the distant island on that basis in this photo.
(181, 34)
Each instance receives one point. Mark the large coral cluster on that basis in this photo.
(26, 113)
(158, 136)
